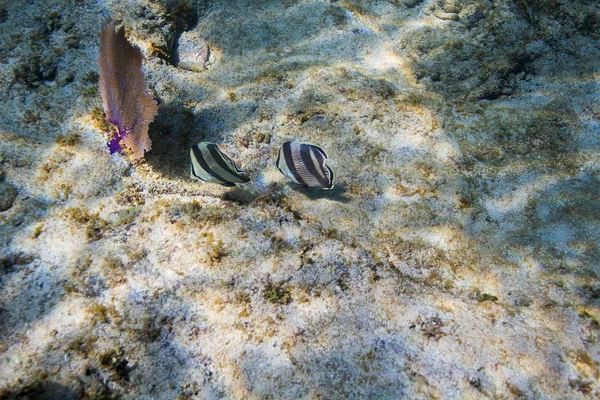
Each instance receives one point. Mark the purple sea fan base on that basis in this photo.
(125, 97)
(115, 144)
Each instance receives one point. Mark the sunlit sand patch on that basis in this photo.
(388, 62)
(521, 196)
(272, 175)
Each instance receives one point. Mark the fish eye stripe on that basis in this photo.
(287, 155)
(204, 165)
(305, 154)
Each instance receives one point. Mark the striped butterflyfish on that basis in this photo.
(305, 164)
(209, 164)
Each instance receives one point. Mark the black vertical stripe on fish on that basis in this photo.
(319, 161)
(204, 165)
(281, 165)
(305, 154)
(320, 150)
(321, 157)
(221, 158)
(332, 175)
(229, 160)
(289, 162)
(193, 172)
(278, 162)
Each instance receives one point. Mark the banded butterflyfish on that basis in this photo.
(305, 164)
(209, 164)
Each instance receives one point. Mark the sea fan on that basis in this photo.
(125, 97)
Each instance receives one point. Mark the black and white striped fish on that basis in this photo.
(305, 164)
(208, 164)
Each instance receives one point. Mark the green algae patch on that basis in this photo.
(483, 297)
(69, 139)
(277, 293)
(95, 227)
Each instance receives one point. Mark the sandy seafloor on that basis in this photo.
(457, 256)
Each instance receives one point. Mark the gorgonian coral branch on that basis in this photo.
(125, 97)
